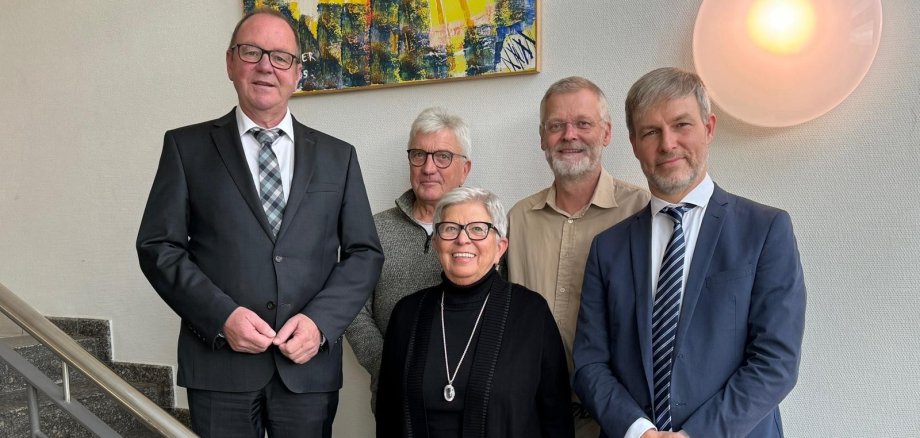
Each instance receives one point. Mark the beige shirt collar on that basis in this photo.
(603, 197)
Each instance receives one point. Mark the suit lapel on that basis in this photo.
(226, 137)
(304, 162)
(640, 237)
(706, 242)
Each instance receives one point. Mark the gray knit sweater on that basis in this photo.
(410, 265)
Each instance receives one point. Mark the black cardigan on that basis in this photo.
(518, 385)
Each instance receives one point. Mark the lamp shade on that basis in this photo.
(784, 62)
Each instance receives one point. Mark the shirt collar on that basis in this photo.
(604, 196)
(244, 123)
(699, 196)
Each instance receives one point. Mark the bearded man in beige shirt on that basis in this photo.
(550, 231)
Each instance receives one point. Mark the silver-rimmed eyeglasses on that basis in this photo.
(253, 54)
(442, 159)
(557, 126)
(474, 230)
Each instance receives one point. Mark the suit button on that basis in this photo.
(270, 305)
(278, 259)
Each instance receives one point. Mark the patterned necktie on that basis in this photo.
(270, 189)
(665, 314)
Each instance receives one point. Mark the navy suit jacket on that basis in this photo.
(738, 341)
(206, 247)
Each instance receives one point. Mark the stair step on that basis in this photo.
(43, 359)
(97, 329)
(94, 336)
(14, 414)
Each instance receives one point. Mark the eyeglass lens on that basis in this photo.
(442, 159)
(558, 126)
(253, 54)
(474, 230)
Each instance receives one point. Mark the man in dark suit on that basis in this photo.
(693, 309)
(258, 233)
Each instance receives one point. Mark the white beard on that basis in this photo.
(573, 169)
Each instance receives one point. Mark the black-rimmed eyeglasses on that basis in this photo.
(253, 54)
(474, 230)
(442, 159)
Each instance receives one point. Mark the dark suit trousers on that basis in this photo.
(273, 408)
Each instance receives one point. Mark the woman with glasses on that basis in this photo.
(438, 161)
(474, 356)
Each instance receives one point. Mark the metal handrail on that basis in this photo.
(37, 382)
(73, 354)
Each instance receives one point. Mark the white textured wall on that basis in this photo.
(87, 89)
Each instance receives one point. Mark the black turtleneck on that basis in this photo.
(461, 307)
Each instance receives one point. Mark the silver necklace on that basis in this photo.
(449, 392)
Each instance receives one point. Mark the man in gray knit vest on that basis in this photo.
(439, 151)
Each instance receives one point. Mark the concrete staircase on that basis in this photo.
(94, 336)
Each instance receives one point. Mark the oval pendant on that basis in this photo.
(449, 392)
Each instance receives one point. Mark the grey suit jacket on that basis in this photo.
(738, 340)
(206, 247)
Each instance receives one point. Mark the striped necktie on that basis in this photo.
(271, 191)
(665, 314)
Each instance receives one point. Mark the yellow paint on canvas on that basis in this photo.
(458, 66)
(312, 24)
(458, 16)
(453, 10)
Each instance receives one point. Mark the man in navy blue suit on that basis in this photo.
(693, 309)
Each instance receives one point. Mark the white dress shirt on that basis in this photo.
(283, 148)
(662, 229)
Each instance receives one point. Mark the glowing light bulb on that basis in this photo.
(781, 26)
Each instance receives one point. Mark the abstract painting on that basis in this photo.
(365, 44)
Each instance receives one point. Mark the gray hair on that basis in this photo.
(663, 84)
(434, 119)
(486, 198)
(574, 84)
